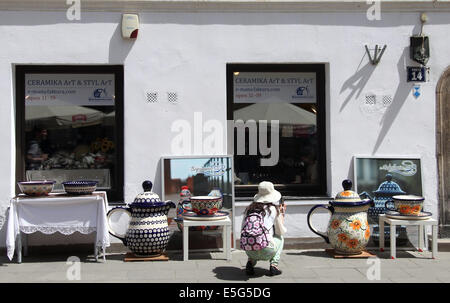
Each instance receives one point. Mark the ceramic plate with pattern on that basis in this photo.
(423, 215)
(217, 216)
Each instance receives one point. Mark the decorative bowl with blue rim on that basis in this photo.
(36, 188)
(80, 187)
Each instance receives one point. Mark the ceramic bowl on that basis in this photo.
(205, 205)
(407, 204)
(80, 187)
(36, 188)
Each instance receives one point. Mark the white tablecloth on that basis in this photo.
(58, 213)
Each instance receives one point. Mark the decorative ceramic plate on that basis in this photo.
(423, 215)
(220, 215)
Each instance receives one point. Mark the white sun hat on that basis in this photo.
(267, 193)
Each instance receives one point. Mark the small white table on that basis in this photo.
(226, 234)
(421, 225)
(57, 213)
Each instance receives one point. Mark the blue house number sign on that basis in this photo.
(416, 74)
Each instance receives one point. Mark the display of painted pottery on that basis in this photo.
(406, 204)
(184, 205)
(80, 187)
(36, 188)
(348, 230)
(386, 190)
(148, 230)
(206, 205)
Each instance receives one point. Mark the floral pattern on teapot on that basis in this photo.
(349, 232)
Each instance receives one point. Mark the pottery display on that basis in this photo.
(36, 188)
(148, 230)
(80, 187)
(386, 190)
(348, 230)
(206, 205)
(184, 205)
(406, 204)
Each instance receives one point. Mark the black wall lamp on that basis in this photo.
(419, 48)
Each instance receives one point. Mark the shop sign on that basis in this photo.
(69, 89)
(274, 87)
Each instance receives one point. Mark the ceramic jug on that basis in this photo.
(348, 230)
(148, 231)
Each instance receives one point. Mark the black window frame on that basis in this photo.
(287, 190)
(115, 194)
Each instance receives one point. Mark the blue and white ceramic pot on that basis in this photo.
(348, 230)
(148, 230)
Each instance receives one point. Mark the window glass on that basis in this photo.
(295, 101)
(70, 131)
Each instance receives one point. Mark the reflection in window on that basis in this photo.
(298, 144)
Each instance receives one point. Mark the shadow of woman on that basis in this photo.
(230, 273)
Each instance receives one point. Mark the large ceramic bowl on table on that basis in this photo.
(206, 205)
(80, 187)
(37, 187)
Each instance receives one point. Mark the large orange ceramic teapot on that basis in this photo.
(348, 229)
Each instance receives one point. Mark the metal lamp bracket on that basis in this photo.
(377, 55)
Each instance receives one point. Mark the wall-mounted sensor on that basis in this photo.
(130, 26)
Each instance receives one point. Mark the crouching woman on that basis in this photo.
(263, 229)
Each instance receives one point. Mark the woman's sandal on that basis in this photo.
(274, 271)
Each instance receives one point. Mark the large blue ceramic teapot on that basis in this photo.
(148, 231)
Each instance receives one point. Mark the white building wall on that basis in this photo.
(187, 53)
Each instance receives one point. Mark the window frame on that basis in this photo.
(287, 190)
(115, 194)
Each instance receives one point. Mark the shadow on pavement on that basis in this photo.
(229, 273)
(314, 253)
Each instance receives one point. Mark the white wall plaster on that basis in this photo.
(187, 53)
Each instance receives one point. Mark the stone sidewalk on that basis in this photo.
(298, 266)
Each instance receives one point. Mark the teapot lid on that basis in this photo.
(147, 198)
(389, 187)
(347, 197)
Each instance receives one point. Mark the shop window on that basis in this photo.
(293, 95)
(69, 125)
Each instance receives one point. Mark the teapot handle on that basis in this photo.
(387, 202)
(110, 229)
(327, 207)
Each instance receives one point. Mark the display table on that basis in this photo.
(226, 234)
(421, 225)
(57, 213)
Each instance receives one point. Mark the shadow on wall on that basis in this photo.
(357, 82)
(119, 48)
(401, 94)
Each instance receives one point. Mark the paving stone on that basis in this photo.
(338, 272)
(299, 266)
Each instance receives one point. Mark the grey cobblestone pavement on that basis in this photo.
(298, 266)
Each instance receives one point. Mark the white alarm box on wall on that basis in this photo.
(130, 26)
